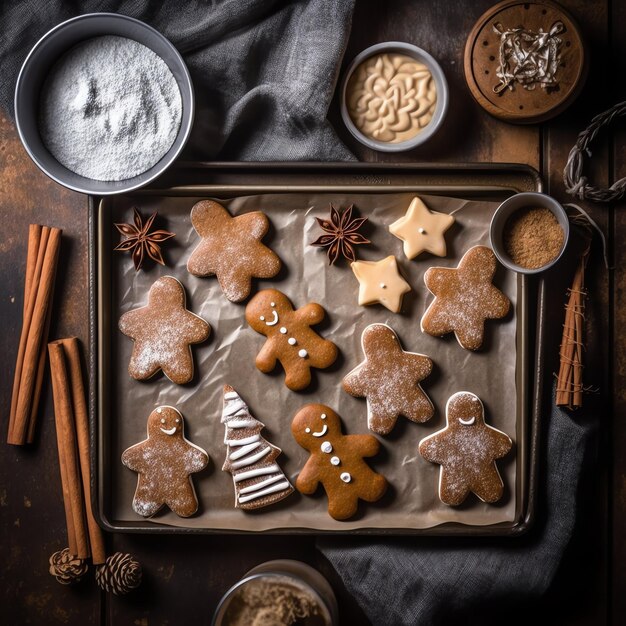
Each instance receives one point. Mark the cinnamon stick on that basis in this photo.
(68, 446)
(34, 237)
(32, 338)
(79, 404)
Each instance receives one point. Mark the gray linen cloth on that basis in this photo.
(264, 73)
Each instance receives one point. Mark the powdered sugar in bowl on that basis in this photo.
(104, 104)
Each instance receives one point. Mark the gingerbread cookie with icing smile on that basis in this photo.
(336, 461)
(165, 462)
(467, 449)
(290, 338)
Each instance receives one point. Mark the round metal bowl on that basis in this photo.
(441, 83)
(527, 199)
(39, 62)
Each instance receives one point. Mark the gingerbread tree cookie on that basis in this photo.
(290, 338)
(336, 461)
(231, 248)
(251, 460)
(389, 378)
(165, 462)
(467, 450)
(163, 332)
(464, 298)
(422, 230)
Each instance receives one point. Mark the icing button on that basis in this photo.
(345, 477)
(292, 342)
(303, 353)
(335, 460)
(283, 330)
(326, 447)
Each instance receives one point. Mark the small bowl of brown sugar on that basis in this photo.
(529, 232)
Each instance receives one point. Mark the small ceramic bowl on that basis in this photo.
(292, 573)
(519, 201)
(37, 66)
(441, 108)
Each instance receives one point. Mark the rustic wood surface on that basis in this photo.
(185, 576)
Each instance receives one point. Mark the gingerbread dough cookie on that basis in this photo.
(231, 248)
(290, 338)
(422, 230)
(389, 378)
(380, 281)
(336, 461)
(467, 450)
(164, 462)
(464, 298)
(163, 332)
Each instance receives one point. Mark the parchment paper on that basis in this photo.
(228, 357)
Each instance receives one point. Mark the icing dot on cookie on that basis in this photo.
(421, 231)
(345, 477)
(335, 460)
(292, 342)
(383, 286)
(283, 330)
(326, 447)
(162, 420)
(307, 430)
(159, 410)
(272, 303)
(303, 353)
(323, 416)
(262, 318)
(177, 420)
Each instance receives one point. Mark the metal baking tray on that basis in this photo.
(468, 181)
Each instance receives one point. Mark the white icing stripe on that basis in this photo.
(273, 489)
(242, 442)
(233, 407)
(251, 459)
(240, 424)
(243, 451)
(263, 483)
(231, 395)
(270, 469)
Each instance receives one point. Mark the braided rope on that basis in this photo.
(575, 183)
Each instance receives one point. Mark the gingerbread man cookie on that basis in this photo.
(290, 338)
(165, 462)
(464, 298)
(467, 450)
(422, 230)
(336, 461)
(389, 378)
(231, 248)
(163, 332)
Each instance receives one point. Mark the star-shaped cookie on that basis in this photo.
(464, 298)
(389, 378)
(422, 230)
(467, 450)
(380, 281)
(163, 332)
(230, 248)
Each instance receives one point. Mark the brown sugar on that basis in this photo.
(533, 237)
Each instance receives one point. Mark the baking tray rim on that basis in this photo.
(526, 378)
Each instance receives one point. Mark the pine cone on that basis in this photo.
(119, 574)
(66, 567)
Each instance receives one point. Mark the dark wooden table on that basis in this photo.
(185, 576)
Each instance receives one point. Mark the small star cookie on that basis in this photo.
(464, 298)
(230, 249)
(422, 230)
(467, 450)
(165, 462)
(389, 378)
(163, 332)
(380, 281)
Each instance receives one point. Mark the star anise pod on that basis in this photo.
(140, 242)
(342, 234)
